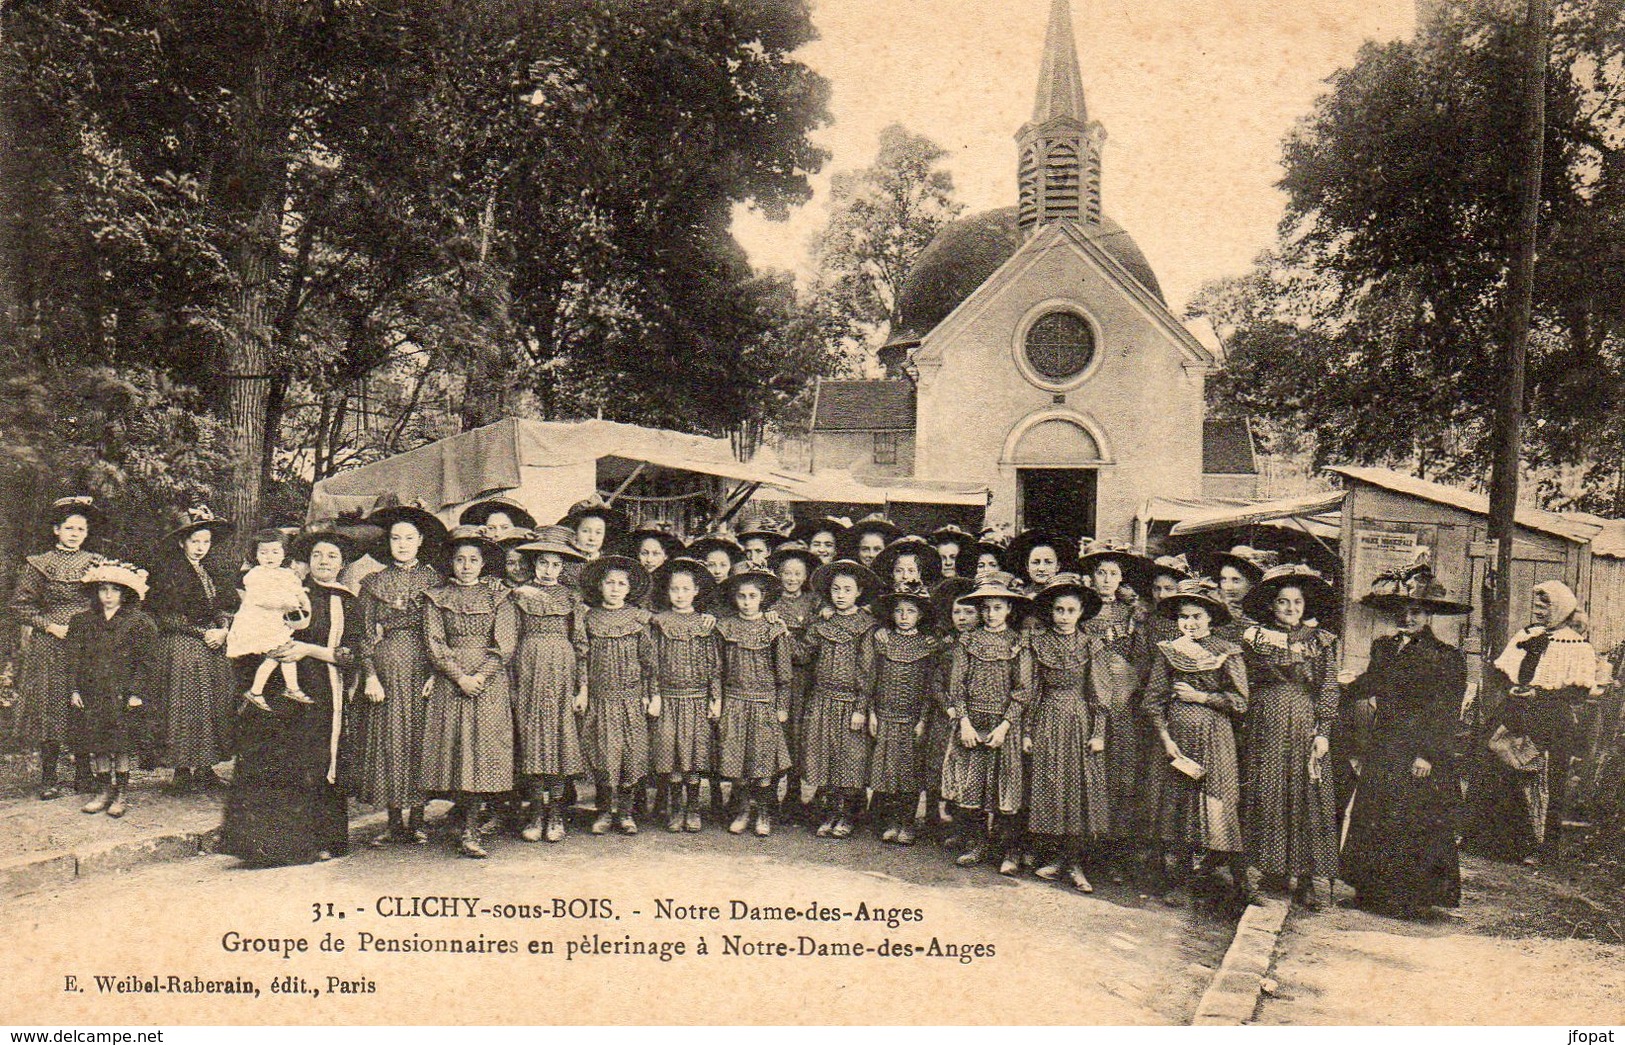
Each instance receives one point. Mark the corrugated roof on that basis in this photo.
(1567, 527)
(863, 406)
(1227, 448)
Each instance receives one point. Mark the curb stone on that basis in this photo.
(32, 872)
(1233, 994)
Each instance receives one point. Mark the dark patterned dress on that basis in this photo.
(939, 727)
(1401, 845)
(1068, 790)
(48, 592)
(286, 805)
(617, 652)
(111, 660)
(1124, 634)
(834, 755)
(990, 681)
(546, 681)
(470, 630)
(905, 692)
(797, 613)
(1203, 814)
(1290, 820)
(689, 677)
(757, 677)
(393, 649)
(199, 688)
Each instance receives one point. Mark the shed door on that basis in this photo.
(1531, 564)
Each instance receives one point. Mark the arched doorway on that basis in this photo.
(1057, 456)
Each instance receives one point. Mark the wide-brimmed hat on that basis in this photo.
(929, 558)
(950, 591)
(772, 534)
(659, 531)
(126, 575)
(836, 525)
(200, 517)
(705, 586)
(1000, 585)
(952, 533)
(615, 520)
(1137, 569)
(874, 522)
(560, 540)
(1068, 584)
(79, 504)
(1015, 558)
(1319, 597)
(479, 513)
(919, 594)
(868, 584)
(745, 571)
(990, 541)
(1175, 566)
(703, 546)
(299, 547)
(479, 537)
(1397, 591)
(794, 550)
(1251, 562)
(427, 523)
(592, 575)
(510, 537)
(1198, 591)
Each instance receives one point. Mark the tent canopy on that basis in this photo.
(1317, 513)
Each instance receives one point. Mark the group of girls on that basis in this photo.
(1049, 706)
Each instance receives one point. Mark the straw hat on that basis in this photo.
(705, 586)
(1015, 559)
(1397, 591)
(716, 541)
(1175, 566)
(1319, 597)
(63, 507)
(918, 594)
(479, 513)
(868, 584)
(592, 575)
(416, 513)
(126, 575)
(794, 550)
(929, 558)
(478, 537)
(199, 517)
(1068, 584)
(657, 530)
(1251, 562)
(748, 572)
(1137, 569)
(1197, 591)
(950, 591)
(835, 525)
(1000, 585)
(615, 520)
(560, 540)
(952, 534)
(991, 542)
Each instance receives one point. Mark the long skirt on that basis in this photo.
(834, 754)
(751, 738)
(392, 733)
(468, 741)
(548, 733)
(800, 683)
(939, 733)
(894, 765)
(44, 685)
(1519, 812)
(1202, 814)
(200, 698)
(983, 778)
(615, 734)
(1290, 820)
(281, 810)
(1123, 743)
(682, 735)
(1401, 845)
(1069, 793)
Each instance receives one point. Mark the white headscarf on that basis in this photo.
(1569, 659)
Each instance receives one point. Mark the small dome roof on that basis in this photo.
(966, 252)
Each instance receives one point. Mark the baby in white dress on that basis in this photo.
(274, 606)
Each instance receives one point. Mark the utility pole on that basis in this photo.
(1520, 291)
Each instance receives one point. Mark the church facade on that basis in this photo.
(1032, 351)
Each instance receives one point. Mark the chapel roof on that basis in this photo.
(863, 406)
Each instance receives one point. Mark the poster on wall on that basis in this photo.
(1380, 551)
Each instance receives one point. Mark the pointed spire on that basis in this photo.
(1060, 84)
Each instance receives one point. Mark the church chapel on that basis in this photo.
(1032, 351)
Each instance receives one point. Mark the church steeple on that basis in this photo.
(1059, 151)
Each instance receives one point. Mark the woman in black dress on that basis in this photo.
(286, 805)
(1400, 852)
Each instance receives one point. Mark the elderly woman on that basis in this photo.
(1400, 850)
(286, 806)
(48, 595)
(1522, 783)
(1289, 811)
(194, 610)
(395, 667)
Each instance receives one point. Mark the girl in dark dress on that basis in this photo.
(47, 597)
(1400, 852)
(112, 647)
(287, 804)
(194, 610)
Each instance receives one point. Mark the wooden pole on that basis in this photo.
(1520, 292)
